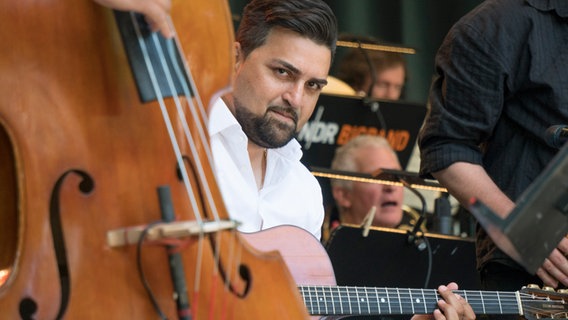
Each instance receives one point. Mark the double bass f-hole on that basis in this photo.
(28, 306)
(86, 186)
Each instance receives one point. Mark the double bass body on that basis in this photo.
(80, 155)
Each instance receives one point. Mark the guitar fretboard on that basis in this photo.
(343, 300)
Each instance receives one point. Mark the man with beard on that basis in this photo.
(283, 54)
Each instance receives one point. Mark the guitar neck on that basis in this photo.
(343, 300)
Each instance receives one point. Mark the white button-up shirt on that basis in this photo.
(290, 195)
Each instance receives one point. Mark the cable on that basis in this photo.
(141, 271)
(430, 258)
(420, 241)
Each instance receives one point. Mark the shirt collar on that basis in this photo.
(220, 118)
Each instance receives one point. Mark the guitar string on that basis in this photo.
(410, 293)
(476, 297)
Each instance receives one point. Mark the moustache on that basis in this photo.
(289, 111)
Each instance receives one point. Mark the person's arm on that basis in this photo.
(466, 180)
(451, 307)
(156, 12)
(465, 109)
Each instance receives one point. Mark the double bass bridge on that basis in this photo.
(166, 230)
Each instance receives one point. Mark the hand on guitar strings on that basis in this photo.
(156, 12)
(452, 307)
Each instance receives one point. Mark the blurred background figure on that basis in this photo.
(373, 73)
(379, 75)
(354, 200)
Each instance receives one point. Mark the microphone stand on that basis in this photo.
(416, 237)
(413, 235)
(368, 99)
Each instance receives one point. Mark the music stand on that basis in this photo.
(539, 220)
(381, 176)
(336, 119)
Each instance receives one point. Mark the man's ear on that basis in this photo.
(342, 196)
(239, 56)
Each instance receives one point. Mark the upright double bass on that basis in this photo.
(82, 156)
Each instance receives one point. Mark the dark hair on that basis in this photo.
(354, 69)
(310, 18)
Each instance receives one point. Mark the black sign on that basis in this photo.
(337, 119)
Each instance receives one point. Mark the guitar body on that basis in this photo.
(307, 260)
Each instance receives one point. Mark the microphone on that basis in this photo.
(443, 214)
(556, 136)
(176, 263)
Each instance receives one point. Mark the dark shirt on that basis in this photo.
(501, 81)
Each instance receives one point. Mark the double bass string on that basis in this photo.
(173, 140)
(204, 137)
(165, 114)
(175, 144)
(193, 110)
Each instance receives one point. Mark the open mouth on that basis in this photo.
(389, 204)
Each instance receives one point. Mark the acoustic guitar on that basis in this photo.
(311, 268)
